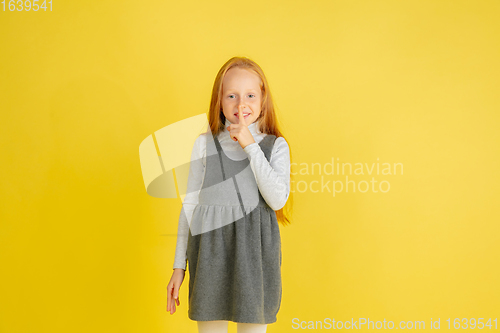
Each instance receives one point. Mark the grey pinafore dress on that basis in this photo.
(234, 244)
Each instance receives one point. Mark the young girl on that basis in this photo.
(228, 229)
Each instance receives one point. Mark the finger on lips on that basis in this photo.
(240, 114)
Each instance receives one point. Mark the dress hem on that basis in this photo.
(234, 320)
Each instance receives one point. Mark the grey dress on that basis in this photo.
(234, 244)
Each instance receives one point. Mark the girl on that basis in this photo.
(228, 229)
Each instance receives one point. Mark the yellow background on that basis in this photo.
(83, 248)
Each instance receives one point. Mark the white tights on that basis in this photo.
(220, 326)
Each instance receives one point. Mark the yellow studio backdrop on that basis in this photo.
(403, 92)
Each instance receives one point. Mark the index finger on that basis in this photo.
(169, 299)
(240, 114)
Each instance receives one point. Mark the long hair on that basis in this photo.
(268, 122)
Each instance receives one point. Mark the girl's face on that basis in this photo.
(241, 87)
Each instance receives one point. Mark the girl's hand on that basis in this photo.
(173, 289)
(240, 132)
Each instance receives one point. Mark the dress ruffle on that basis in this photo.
(210, 217)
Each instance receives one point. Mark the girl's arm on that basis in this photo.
(195, 181)
(273, 178)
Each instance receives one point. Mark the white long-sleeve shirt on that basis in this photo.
(273, 177)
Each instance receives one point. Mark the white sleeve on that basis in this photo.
(273, 178)
(195, 182)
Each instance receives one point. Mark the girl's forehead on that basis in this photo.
(240, 79)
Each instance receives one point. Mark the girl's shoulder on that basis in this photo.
(280, 141)
(280, 152)
(199, 146)
(280, 144)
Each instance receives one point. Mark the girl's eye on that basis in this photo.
(231, 96)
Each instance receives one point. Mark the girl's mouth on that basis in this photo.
(245, 115)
